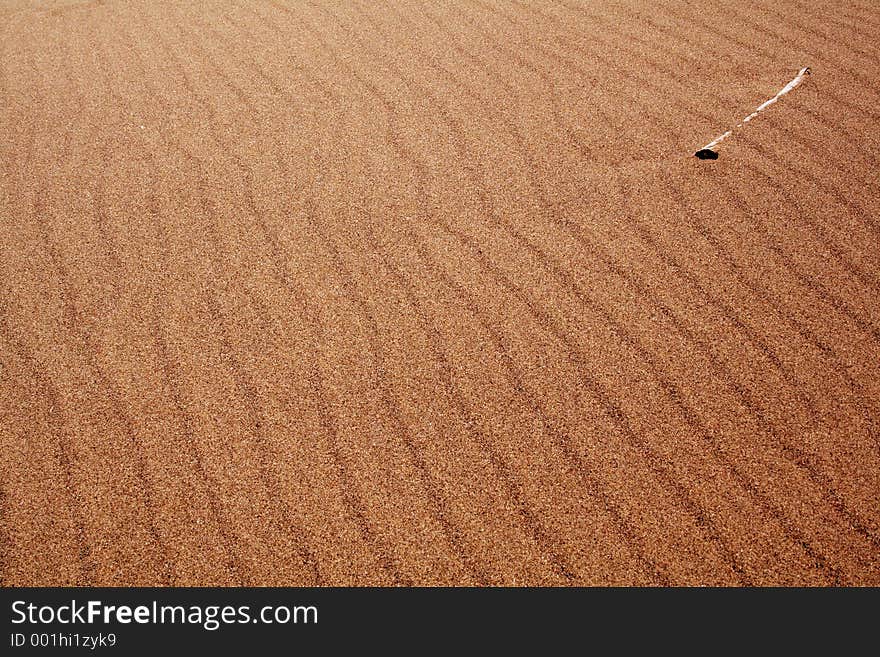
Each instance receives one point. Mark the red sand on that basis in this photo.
(435, 293)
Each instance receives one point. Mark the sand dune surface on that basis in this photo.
(393, 293)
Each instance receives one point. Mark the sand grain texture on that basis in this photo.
(317, 292)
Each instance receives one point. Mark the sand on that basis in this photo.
(394, 293)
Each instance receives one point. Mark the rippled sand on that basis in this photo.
(436, 293)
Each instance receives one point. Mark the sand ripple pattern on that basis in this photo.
(394, 293)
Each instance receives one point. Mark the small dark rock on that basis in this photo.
(706, 154)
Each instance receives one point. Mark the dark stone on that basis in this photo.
(706, 154)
